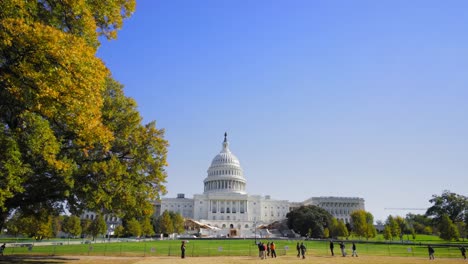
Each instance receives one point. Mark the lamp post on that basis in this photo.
(255, 231)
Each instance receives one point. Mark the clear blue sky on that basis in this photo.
(319, 98)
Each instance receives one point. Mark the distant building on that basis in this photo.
(226, 206)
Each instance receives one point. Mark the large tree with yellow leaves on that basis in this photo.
(69, 136)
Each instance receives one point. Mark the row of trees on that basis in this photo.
(47, 226)
(447, 217)
(70, 139)
(73, 226)
(315, 222)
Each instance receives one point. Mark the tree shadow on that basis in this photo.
(35, 259)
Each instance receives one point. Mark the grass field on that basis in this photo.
(223, 260)
(225, 248)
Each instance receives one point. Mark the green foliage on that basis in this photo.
(338, 228)
(326, 232)
(72, 225)
(418, 222)
(125, 179)
(451, 204)
(134, 227)
(166, 226)
(146, 227)
(86, 226)
(428, 230)
(342, 230)
(387, 233)
(178, 222)
(461, 226)
(69, 135)
(36, 226)
(448, 230)
(394, 227)
(363, 224)
(119, 231)
(98, 226)
(309, 217)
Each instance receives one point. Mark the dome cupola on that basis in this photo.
(225, 173)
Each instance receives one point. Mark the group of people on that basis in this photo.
(266, 250)
(301, 250)
(343, 249)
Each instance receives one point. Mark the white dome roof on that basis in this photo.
(225, 157)
(225, 173)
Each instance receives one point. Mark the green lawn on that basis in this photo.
(226, 247)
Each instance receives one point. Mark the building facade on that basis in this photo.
(227, 207)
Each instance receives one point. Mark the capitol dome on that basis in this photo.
(225, 173)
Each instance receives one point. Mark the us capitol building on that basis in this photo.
(226, 207)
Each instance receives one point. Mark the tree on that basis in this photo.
(461, 226)
(394, 227)
(418, 222)
(38, 226)
(370, 228)
(156, 222)
(119, 231)
(178, 222)
(333, 228)
(57, 225)
(134, 227)
(402, 226)
(428, 230)
(98, 226)
(448, 230)
(68, 134)
(86, 226)
(451, 204)
(387, 233)
(363, 224)
(166, 225)
(72, 225)
(146, 227)
(341, 229)
(131, 174)
(309, 217)
(326, 232)
(359, 223)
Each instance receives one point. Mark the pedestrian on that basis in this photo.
(342, 247)
(273, 250)
(431, 252)
(303, 250)
(264, 251)
(260, 250)
(463, 251)
(2, 248)
(182, 250)
(354, 250)
(268, 249)
(298, 248)
(332, 246)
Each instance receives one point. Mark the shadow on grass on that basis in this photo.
(35, 259)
